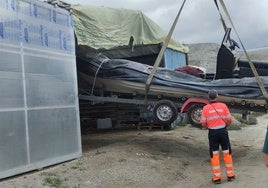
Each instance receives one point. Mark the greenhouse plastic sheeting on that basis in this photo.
(39, 111)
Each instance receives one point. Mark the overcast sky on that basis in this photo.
(199, 21)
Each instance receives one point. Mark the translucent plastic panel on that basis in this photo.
(24, 8)
(4, 4)
(49, 82)
(11, 94)
(52, 133)
(11, 84)
(10, 62)
(61, 69)
(12, 131)
(47, 35)
(45, 91)
(52, 31)
(39, 116)
(9, 27)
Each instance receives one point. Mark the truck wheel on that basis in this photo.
(165, 112)
(194, 115)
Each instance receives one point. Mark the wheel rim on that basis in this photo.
(164, 113)
(196, 115)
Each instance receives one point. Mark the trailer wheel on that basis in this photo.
(194, 115)
(165, 112)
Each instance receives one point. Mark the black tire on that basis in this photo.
(165, 112)
(194, 115)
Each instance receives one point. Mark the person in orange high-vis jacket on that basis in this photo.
(216, 118)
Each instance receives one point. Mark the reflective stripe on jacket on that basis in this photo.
(215, 115)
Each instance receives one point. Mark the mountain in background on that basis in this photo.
(205, 55)
(260, 54)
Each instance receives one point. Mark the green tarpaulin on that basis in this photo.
(108, 28)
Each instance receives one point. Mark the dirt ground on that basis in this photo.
(153, 159)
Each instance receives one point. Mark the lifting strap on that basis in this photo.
(222, 20)
(259, 81)
(161, 53)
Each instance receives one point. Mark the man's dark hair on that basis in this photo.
(212, 94)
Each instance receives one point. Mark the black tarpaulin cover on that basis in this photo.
(120, 69)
